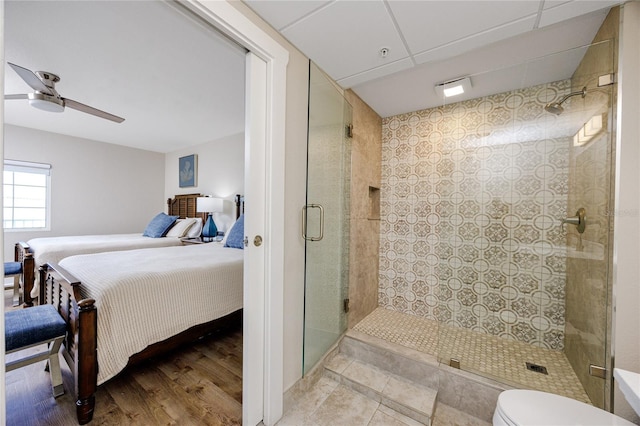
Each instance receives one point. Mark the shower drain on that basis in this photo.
(537, 368)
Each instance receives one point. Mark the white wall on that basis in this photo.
(626, 332)
(295, 194)
(220, 174)
(96, 188)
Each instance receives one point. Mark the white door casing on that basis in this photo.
(264, 194)
(253, 338)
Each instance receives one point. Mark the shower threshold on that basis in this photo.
(489, 356)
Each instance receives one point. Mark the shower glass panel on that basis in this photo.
(522, 297)
(326, 218)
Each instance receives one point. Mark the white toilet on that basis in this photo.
(520, 407)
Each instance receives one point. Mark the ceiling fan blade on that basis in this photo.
(23, 96)
(31, 79)
(91, 110)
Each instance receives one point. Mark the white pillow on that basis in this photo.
(181, 227)
(196, 228)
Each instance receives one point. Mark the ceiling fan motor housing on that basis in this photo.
(46, 102)
(47, 77)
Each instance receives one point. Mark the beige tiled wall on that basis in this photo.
(472, 194)
(366, 147)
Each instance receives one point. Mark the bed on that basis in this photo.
(54, 249)
(154, 300)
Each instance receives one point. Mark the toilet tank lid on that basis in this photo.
(534, 408)
(629, 384)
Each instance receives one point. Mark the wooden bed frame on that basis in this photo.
(60, 288)
(185, 205)
(182, 205)
(79, 349)
(23, 255)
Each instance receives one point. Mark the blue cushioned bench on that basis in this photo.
(34, 326)
(14, 269)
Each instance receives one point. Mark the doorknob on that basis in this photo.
(257, 241)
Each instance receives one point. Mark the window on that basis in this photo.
(26, 195)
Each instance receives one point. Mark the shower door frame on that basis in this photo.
(330, 199)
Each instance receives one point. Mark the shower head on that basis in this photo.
(556, 107)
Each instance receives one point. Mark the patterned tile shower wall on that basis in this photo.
(470, 201)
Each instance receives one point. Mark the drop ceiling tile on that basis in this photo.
(568, 10)
(345, 37)
(483, 39)
(548, 4)
(282, 13)
(429, 24)
(374, 73)
(488, 66)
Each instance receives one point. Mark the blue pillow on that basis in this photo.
(159, 225)
(235, 239)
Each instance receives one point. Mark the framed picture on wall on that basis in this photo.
(188, 171)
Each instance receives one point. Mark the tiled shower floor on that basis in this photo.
(500, 359)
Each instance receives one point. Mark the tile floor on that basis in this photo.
(499, 359)
(329, 403)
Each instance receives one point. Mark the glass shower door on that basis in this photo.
(325, 218)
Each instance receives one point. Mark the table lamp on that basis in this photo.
(209, 205)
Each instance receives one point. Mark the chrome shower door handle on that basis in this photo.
(304, 222)
(579, 220)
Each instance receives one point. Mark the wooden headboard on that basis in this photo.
(184, 205)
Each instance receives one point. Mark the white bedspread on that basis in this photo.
(148, 295)
(54, 249)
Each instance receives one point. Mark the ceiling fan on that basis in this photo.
(47, 98)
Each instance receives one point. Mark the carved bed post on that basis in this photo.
(86, 363)
(62, 290)
(239, 202)
(22, 253)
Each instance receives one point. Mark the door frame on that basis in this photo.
(268, 117)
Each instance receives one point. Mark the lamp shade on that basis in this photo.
(209, 205)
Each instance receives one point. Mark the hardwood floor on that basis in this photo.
(200, 384)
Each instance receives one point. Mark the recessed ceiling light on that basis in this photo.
(453, 87)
